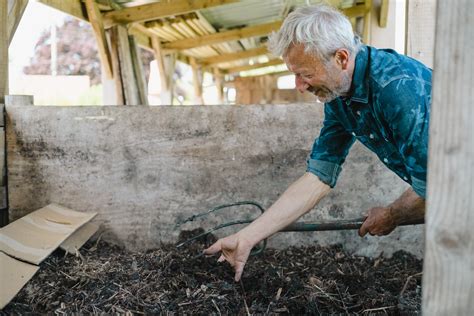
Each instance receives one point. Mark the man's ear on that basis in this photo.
(342, 58)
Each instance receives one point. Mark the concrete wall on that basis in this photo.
(142, 169)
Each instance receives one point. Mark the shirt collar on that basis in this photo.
(360, 84)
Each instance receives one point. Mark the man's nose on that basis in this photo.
(300, 84)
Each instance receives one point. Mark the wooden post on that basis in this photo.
(368, 13)
(166, 69)
(138, 71)
(197, 81)
(219, 81)
(131, 92)
(448, 278)
(14, 16)
(3, 49)
(95, 19)
(10, 100)
(114, 55)
(420, 30)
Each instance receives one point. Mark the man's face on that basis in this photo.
(326, 81)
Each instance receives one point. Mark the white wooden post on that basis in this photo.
(448, 280)
(3, 49)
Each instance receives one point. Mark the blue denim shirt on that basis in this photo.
(387, 110)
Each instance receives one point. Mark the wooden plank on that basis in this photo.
(214, 60)
(273, 62)
(197, 81)
(114, 54)
(367, 17)
(138, 71)
(448, 278)
(95, 19)
(226, 36)
(420, 30)
(71, 7)
(130, 88)
(383, 13)
(3, 50)
(357, 11)
(14, 17)
(155, 42)
(3, 169)
(153, 11)
(219, 82)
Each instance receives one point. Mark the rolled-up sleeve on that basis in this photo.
(405, 106)
(329, 149)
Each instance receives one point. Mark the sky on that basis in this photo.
(36, 18)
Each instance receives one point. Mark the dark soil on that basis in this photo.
(298, 280)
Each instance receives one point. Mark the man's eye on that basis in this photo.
(307, 76)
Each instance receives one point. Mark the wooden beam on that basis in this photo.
(420, 30)
(138, 71)
(95, 19)
(226, 36)
(114, 54)
(197, 81)
(367, 16)
(214, 60)
(130, 88)
(155, 42)
(153, 11)
(3, 50)
(448, 278)
(357, 11)
(272, 62)
(71, 7)
(142, 36)
(14, 17)
(219, 81)
(383, 13)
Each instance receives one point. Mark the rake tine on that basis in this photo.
(193, 217)
(187, 241)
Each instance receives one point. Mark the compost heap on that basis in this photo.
(296, 280)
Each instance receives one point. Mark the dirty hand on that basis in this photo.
(235, 250)
(379, 221)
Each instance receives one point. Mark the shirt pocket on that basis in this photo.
(372, 140)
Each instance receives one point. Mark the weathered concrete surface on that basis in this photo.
(142, 169)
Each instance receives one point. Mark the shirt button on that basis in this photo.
(358, 113)
(371, 136)
(405, 178)
(385, 160)
(353, 134)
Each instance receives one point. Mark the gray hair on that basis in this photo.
(320, 28)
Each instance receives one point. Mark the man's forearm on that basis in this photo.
(408, 207)
(296, 201)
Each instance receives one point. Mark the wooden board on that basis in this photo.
(3, 50)
(448, 278)
(420, 30)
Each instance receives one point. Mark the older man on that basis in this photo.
(375, 96)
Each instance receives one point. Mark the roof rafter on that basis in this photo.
(153, 11)
(273, 62)
(213, 60)
(226, 36)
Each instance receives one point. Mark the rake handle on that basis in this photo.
(334, 225)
